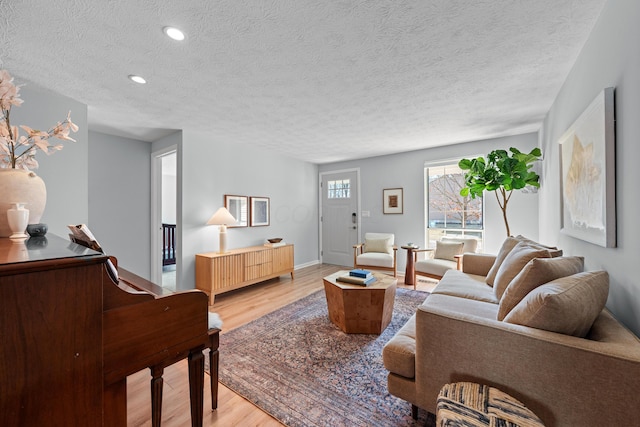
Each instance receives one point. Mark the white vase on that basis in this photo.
(18, 219)
(25, 187)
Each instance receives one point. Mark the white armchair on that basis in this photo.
(447, 255)
(376, 253)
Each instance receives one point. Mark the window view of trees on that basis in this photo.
(448, 212)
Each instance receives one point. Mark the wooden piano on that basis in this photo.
(71, 335)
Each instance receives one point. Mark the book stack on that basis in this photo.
(358, 277)
(275, 245)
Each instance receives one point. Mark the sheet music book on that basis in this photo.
(81, 235)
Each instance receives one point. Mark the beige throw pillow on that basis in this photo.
(448, 250)
(470, 243)
(507, 246)
(513, 263)
(537, 272)
(568, 305)
(553, 251)
(378, 245)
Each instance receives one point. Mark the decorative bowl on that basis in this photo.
(275, 240)
(37, 230)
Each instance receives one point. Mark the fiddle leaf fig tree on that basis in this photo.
(501, 172)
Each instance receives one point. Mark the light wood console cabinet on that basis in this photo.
(217, 273)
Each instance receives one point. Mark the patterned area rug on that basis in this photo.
(304, 371)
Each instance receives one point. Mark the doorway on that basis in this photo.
(339, 220)
(164, 247)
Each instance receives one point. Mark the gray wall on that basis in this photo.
(610, 57)
(406, 170)
(119, 199)
(64, 172)
(212, 169)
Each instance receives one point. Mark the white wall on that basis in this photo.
(212, 169)
(64, 172)
(119, 199)
(610, 57)
(406, 170)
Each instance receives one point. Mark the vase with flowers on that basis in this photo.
(18, 148)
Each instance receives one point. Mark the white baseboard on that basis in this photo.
(306, 264)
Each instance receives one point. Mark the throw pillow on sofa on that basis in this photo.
(508, 245)
(513, 263)
(568, 305)
(448, 250)
(537, 272)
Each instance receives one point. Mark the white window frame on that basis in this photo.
(475, 232)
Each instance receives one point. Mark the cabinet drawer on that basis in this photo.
(258, 257)
(255, 271)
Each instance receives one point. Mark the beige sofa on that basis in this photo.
(563, 377)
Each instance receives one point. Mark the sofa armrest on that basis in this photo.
(564, 380)
(478, 264)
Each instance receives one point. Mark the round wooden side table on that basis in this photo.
(409, 270)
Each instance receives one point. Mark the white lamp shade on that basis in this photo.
(222, 217)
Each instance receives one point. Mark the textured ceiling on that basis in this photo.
(316, 80)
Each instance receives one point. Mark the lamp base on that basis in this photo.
(223, 239)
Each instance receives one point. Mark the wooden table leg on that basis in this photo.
(156, 395)
(409, 273)
(196, 386)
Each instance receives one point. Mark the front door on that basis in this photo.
(339, 221)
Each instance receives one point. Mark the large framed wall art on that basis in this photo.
(587, 171)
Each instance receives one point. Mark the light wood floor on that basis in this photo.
(235, 308)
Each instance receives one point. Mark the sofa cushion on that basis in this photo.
(381, 245)
(462, 308)
(399, 354)
(537, 272)
(568, 305)
(459, 284)
(513, 263)
(448, 250)
(507, 246)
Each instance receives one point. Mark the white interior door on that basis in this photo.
(163, 173)
(339, 218)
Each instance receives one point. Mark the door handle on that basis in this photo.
(354, 218)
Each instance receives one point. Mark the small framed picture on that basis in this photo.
(238, 206)
(392, 201)
(259, 211)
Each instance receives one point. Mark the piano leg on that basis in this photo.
(156, 395)
(214, 358)
(196, 386)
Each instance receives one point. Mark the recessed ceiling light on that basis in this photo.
(174, 33)
(137, 79)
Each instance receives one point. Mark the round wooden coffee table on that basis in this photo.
(359, 309)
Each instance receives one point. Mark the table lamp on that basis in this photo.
(222, 217)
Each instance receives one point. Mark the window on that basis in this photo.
(339, 189)
(448, 213)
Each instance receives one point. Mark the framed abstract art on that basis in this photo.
(587, 171)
